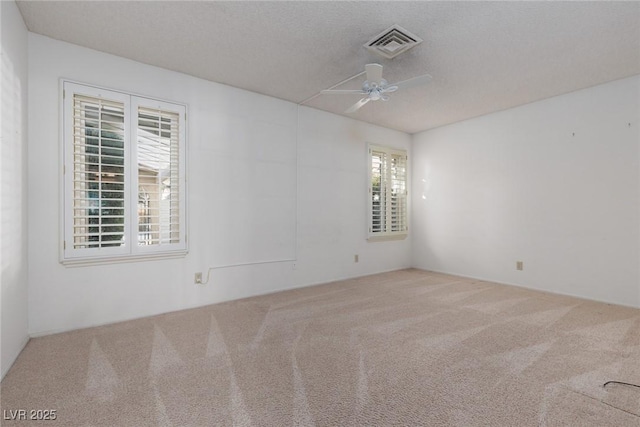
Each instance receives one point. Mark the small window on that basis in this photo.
(387, 193)
(124, 169)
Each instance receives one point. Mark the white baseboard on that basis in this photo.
(531, 288)
(267, 292)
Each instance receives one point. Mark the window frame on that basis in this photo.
(132, 251)
(386, 235)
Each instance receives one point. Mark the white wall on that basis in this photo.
(13, 200)
(333, 199)
(554, 184)
(238, 141)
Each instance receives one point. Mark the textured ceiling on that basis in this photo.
(483, 56)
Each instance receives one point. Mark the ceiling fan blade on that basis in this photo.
(374, 73)
(355, 107)
(342, 92)
(416, 81)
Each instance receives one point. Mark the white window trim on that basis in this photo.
(387, 235)
(131, 253)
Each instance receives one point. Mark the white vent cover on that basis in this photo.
(392, 42)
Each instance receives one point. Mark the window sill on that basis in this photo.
(388, 237)
(87, 262)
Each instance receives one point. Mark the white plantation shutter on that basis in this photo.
(160, 197)
(378, 191)
(124, 161)
(387, 192)
(398, 192)
(96, 126)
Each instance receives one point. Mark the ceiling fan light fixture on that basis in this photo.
(376, 88)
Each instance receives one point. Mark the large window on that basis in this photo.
(124, 175)
(387, 192)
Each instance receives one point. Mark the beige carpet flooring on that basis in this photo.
(404, 348)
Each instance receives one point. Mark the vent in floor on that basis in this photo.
(393, 41)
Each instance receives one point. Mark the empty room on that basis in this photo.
(320, 213)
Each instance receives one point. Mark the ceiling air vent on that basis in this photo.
(393, 41)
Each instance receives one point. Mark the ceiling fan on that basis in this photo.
(375, 87)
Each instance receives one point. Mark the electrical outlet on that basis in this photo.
(356, 258)
(519, 265)
(198, 278)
